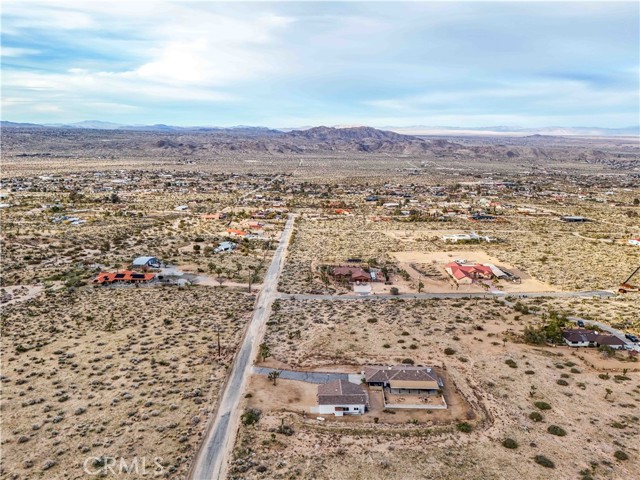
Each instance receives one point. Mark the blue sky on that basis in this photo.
(288, 64)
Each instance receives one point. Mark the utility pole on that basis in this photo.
(217, 329)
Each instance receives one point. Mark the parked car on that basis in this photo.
(633, 338)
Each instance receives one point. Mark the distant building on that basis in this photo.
(236, 233)
(482, 217)
(465, 237)
(151, 262)
(181, 208)
(574, 219)
(225, 247)
(635, 242)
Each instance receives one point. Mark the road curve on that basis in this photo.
(211, 460)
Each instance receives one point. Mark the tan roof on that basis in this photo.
(341, 392)
(400, 373)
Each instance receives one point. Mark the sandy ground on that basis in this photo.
(117, 372)
(528, 283)
(22, 293)
(500, 398)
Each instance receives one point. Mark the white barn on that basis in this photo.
(151, 262)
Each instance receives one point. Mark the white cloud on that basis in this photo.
(17, 51)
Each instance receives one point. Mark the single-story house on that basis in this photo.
(403, 379)
(583, 337)
(236, 233)
(464, 237)
(127, 276)
(353, 274)
(635, 242)
(467, 274)
(573, 219)
(182, 208)
(225, 247)
(341, 397)
(150, 262)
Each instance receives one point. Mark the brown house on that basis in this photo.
(351, 274)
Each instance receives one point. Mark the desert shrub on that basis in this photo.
(511, 363)
(536, 416)
(543, 405)
(556, 430)
(285, 430)
(449, 351)
(620, 455)
(464, 427)
(544, 461)
(529, 372)
(509, 443)
(408, 361)
(604, 376)
(562, 382)
(394, 291)
(251, 416)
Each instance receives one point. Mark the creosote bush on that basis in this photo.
(556, 430)
(544, 461)
(509, 443)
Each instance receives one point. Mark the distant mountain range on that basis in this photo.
(519, 131)
(420, 130)
(100, 125)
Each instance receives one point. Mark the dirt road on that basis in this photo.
(211, 461)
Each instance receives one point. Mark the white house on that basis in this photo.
(152, 262)
(182, 208)
(464, 237)
(635, 242)
(225, 247)
(341, 397)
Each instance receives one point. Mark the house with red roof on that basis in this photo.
(351, 274)
(126, 276)
(467, 274)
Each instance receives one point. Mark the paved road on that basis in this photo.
(210, 463)
(412, 296)
(309, 377)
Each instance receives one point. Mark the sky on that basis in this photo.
(292, 64)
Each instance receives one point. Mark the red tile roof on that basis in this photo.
(472, 271)
(124, 276)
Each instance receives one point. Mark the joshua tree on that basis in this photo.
(532, 390)
(420, 286)
(273, 375)
(609, 392)
(265, 351)
(253, 276)
(219, 277)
